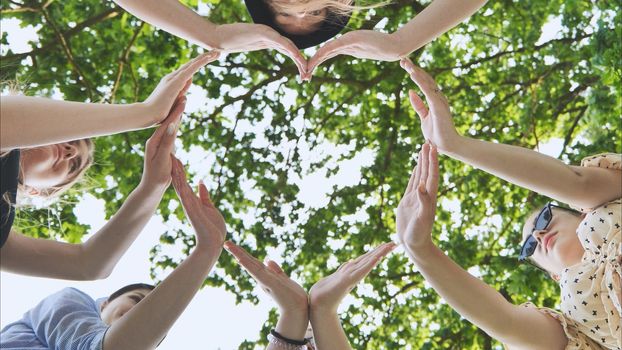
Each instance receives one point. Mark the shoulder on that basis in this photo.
(603, 160)
(64, 302)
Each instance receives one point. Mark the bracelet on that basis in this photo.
(275, 338)
(284, 345)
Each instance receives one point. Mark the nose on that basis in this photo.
(538, 235)
(69, 151)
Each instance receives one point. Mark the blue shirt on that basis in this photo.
(66, 320)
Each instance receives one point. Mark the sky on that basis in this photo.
(212, 319)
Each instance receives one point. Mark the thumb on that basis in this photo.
(274, 267)
(418, 104)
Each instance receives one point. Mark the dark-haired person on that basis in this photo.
(289, 26)
(137, 316)
(43, 156)
(319, 307)
(581, 251)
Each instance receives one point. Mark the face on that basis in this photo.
(558, 245)
(114, 310)
(52, 165)
(300, 23)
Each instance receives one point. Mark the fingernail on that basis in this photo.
(170, 129)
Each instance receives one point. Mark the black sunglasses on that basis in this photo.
(541, 222)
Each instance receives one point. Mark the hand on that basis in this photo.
(174, 85)
(327, 293)
(415, 213)
(207, 221)
(436, 123)
(289, 295)
(368, 44)
(157, 173)
(240, 37)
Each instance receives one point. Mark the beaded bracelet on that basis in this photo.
(275, 338)
(283, 344)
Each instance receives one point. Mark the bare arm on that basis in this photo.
(519, 327)
(578, 186)
(96, 258)
(289, 295)
(93, 259)
(53, 118)
(437, 18)
(175, 18)
(326, 295)
(144, 326)
(61, 121)
(479, 303)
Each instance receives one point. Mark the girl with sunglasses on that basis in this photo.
(579, 249)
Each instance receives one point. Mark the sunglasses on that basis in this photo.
(541, 222)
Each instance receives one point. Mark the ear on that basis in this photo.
(103, 305)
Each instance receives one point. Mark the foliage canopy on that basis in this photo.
(505, 81)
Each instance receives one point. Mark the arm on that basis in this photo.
(326, 295)
(437, 18)
(175, 18)
(60, 121)
(289, 295)
(144, 326)
(577, 186)
(519, 327)
(96, 258)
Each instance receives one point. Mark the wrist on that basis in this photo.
(319, 311)
(401, 46)
(293, 324)
(453, 145)
(148, 189)
(147, 113)
(420, 251)
(207, 255)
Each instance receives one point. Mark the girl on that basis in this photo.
(289, 26)
(580, 251)
(36, 164)
(137, 316)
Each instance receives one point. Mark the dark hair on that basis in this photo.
(129, 288)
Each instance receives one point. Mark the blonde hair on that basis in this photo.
(338, 7)
(52, 193)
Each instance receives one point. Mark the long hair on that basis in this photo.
(338, 7)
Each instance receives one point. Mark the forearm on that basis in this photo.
(437, 18)
(146, 324)
(60, 121)
(470, 297)
(327, 330)
(537, 172)
(175, 18)
(106, 247)
(293, 324)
